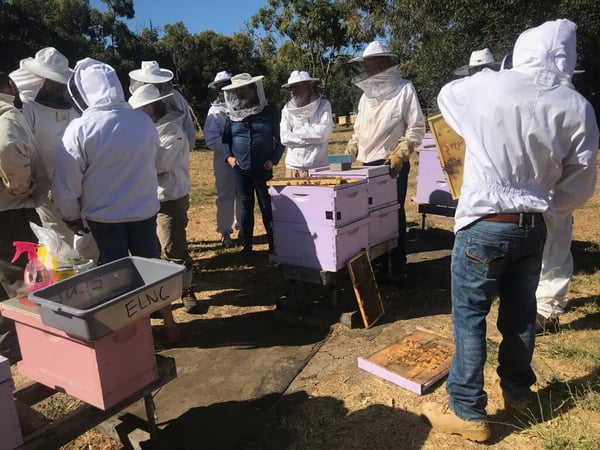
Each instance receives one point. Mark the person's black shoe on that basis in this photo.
(545, 326)
(246, 251)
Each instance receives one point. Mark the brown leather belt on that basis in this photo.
(520, 218)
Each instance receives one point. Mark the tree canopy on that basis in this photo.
(431, 37)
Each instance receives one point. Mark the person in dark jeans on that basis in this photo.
(252, 146)
(389, 126)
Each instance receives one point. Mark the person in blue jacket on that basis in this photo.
(252, 146)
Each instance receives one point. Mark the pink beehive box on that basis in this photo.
(383, 224)
(101, 372)
(318, 247)
(381, 187)
(10, 428)
(320, 205)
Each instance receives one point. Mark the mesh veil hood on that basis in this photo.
(550, 46)
(95, 84)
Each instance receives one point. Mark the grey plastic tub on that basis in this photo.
(94, 303)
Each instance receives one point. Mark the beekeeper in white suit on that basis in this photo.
(531, 147)
(42, 83)
(306, 125)
(389, 126)
(151, 73)
(228, 208)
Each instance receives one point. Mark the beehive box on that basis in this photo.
(432, 184)
(94, 303)
(383, 224)
(10, 428)
(316, 246)
(101, 372)
(335, 205)
(381, 187)
(415, 362)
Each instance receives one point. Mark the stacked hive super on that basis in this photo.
(323, 226)
(432, 186)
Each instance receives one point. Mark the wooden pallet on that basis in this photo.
(39, 432)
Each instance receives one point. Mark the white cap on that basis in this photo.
(146, 94)
(49, 63)
(220, 77)
(151, 73)
(299, 77)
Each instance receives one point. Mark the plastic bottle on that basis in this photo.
(36, 274)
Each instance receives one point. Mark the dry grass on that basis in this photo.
(333, 405)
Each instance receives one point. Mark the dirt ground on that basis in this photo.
(331, 403)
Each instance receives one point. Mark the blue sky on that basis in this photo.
(222, 16)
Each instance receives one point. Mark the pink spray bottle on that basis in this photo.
(36, 274)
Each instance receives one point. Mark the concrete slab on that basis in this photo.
(228, 377)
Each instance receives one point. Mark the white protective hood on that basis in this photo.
(95, 85)
(550, 46)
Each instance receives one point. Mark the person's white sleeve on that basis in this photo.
(15, 150)
(68, 176)
(307, 133)
(448, 101)
(212, 132)
(413, 116)
(173, 144)
(578, 179)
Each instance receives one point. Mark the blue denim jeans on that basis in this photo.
(247, 182)
(492, 258)
(117, 240)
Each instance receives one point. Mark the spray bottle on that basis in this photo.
(36, 274)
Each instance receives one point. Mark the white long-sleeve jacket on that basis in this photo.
(381, 121)
(106, 163)
(527, 131)
(306, 131)
(23, 178)
(172, 162)
(214, 125)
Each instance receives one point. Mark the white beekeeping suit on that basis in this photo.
(228, 209)
(151, 73)
(42, 85)
(306, 124)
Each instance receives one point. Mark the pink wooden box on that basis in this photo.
(320, 205)
(381, 188)
(317, 246)
(10, 428)
(383, 224)
(101, 372)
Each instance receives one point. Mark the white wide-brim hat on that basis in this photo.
(375, 48)
(298, 76)
(145, 95)
(151, 73)
(220, 78)
(242, 79)
(478, 58)
(49, 63)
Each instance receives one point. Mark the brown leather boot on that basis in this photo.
(442, 419)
